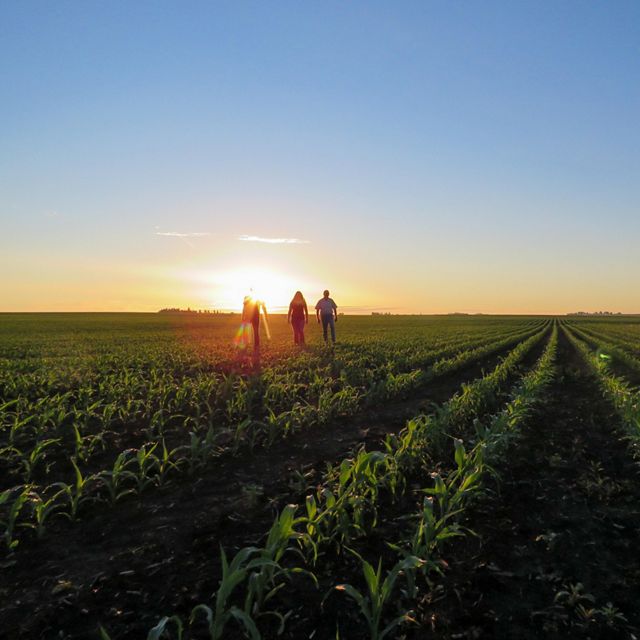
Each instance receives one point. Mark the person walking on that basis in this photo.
(298, 316)
(251, 315)
(328, 311)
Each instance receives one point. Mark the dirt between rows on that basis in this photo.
(126, 566)
(557, 554)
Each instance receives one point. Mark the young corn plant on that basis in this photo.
(15, 499)
(29, 461)
(166, 462)
(245, 433)
(199, 450)
(115, 480)
(341, 403)
(233, 575)
(422, 545)
(43, 509)
(86, 446)
(146, 467)
(406, 453)
(20, 428)
(268, 579)
(76, 493)
(358, 483)
(377, 595)
(451, 493)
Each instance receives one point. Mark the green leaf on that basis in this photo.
(159, 629)
(394, 623)
(247, 621)
(353, 593)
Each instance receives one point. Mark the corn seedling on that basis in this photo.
(43, 509)
(265, 582)
(146, 465)
(233, 574)
(166, 463)
(15, 505)
(75, 493)
(114, 480)
(377, 594)
(422, 545)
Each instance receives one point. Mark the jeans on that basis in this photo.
(328, 321)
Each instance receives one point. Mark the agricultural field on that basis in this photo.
(427, 477)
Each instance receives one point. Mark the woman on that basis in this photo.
(298, 316)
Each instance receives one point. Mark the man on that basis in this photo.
(328, 311)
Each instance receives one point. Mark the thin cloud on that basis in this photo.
(178, 234)
(273, 240)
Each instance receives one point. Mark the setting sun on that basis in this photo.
(226, 290)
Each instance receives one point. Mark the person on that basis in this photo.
(251, 315)
(328, 311)
(298, 316)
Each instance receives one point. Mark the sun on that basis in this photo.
(227, 289)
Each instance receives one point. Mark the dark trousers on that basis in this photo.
(328, 321)
(298, 330)
(256, 333)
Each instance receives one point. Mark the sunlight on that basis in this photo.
(226, 290)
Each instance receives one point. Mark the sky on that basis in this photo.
(412, 157)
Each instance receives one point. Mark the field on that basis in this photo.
(428, 477)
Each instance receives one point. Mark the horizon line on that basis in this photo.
(361, 312)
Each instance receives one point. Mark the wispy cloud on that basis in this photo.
(273, 240)
(178, 234)
(183, 236)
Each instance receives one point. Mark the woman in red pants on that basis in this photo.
(298, 316)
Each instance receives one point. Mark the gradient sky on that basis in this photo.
(427, 157)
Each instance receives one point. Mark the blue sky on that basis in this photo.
(436, 156)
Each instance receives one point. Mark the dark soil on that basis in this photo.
(557, 555)
(126, 566)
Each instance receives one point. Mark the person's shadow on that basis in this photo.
(255, 361)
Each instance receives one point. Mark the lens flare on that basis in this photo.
(244, 336)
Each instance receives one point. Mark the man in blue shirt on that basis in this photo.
(328, 311)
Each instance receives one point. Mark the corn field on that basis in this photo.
(155, 482)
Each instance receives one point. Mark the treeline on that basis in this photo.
(189, 310)
(595, 313)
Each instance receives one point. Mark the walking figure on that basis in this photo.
(298, 316)
(251, 309)
(328, 311)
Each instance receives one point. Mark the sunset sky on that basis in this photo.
(410, 156)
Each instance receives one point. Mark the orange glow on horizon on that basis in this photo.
(226, 290)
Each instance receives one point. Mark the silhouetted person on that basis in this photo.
(298, 316)
(328, 311)
(251, 313)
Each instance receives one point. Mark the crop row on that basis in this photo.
(134, 470)
(129, 399)
(625, 399)
(611, 347)
(235, 410)
(345, 510)
(58, 364)
(626, 334)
